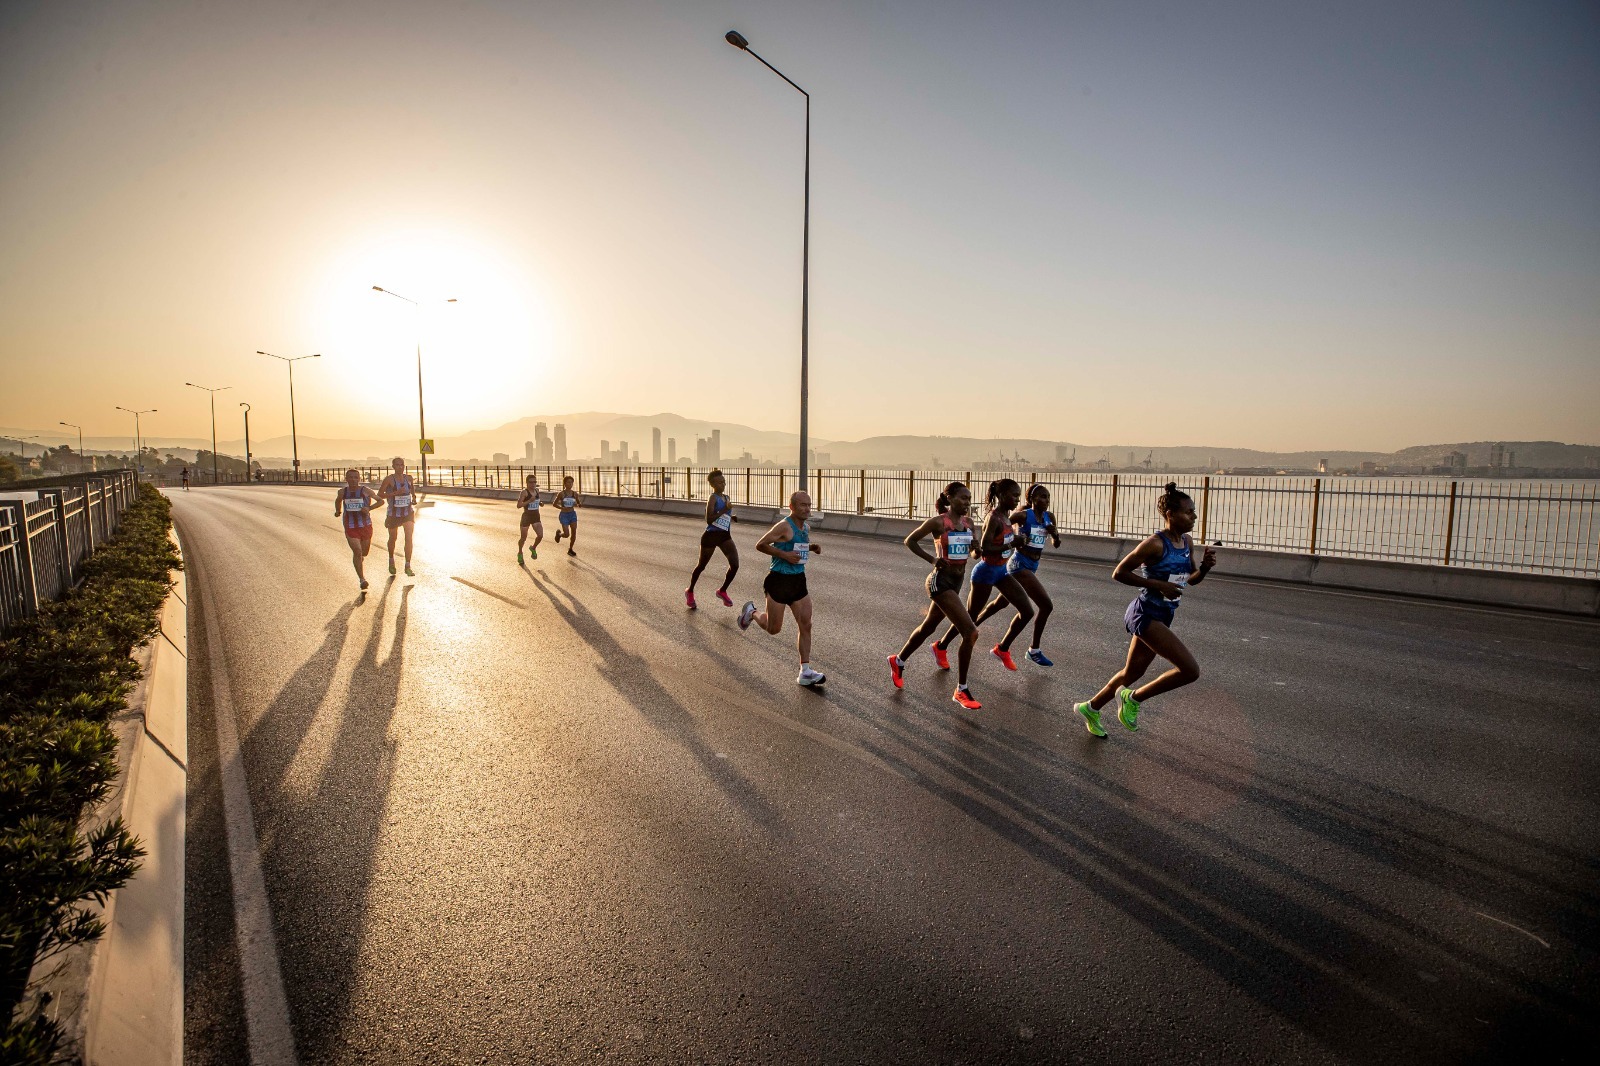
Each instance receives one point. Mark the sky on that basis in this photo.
(1263, 225)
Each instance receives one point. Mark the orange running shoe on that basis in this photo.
(894, 669)
(1003, 655)
(941, 657)
(967, 700)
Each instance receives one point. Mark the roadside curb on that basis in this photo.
(119, 1000)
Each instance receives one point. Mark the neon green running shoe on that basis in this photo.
(519, 558)
(412, 573)
(533, 553)
(391, 568)
(1091, 718)
(1127, 709)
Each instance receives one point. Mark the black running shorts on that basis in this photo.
(785, 588)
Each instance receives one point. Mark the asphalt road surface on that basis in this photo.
(546, 814)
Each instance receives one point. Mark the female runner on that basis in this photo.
(1034, 523)
(718, 534)
(528, 504)
(997, 548)
(1167, 561)
(568, 501)
(951, 531)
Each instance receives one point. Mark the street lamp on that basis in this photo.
(80, 443)
(213, 392)
(247, 437)
(138, 441)
(294, 438)
(737, 39)
(422, 425)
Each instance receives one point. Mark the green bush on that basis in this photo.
(63, 676)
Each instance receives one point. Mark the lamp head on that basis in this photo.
(735, 38)
(377, 288)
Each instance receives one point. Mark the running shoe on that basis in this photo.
(688, 599)
(747, 612)
(1004, 656)
(722, 595)
(941, 657)
(572, 551)
(558, 535)
(391, 568)
(895, 668)
(410, 572)
(1127, 709)
(1091, 718)
(363, 584)
(967, 700)
(533, 553)
(1037, 657)
(519, 557)
(809, 677)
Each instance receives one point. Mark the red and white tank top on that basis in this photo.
(953, 545)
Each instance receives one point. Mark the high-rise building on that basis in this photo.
(605, 451)
(500, 458)
(715, 458)
(542, 452)
(528, 454)
(655, 445)
(672, 450)
(561, 444)
(622, 452)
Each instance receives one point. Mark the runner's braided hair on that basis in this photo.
(716, 471)
(1170, 498)
(949, 491)
(1000, 488)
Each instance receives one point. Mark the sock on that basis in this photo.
(1033, 649)
(961, 687)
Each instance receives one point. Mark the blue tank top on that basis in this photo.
(1175, 565)
(800, 542)
(1033, 529)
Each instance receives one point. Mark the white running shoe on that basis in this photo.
(747, 612)
(809, 677)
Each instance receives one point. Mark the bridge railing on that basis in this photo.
(47, 532)
(1522, 525)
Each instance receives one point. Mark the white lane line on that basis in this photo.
(1508, 925)
(266, 1008)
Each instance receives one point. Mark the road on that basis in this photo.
(547, 814)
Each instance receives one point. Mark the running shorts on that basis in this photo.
(988, 573)
(569, 518)
(394, 521)
(1021, 562)
(1141, 612)
(531, 518)
(944, 579)
(785, 588)
(359, 532)
(715, 538)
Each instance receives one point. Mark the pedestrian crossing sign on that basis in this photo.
(425, 446)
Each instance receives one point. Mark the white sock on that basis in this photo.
(1033, 649)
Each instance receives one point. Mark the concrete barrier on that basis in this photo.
(1538, 592)
(119, 1000)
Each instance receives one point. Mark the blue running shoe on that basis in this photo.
(1036, 657)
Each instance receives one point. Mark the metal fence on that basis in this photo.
(47, 534)
(1527, 526)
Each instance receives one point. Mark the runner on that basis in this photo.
(951, 531)
(568, 502)
(185, 476)
(718, 534)
(354, 504)
(997, 548)
(1034, 524)
(396, 493)
(528, 503)
(1167, 561)
(789, 543)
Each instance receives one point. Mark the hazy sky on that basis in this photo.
(1271, 225)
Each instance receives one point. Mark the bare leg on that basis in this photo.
(802, 621)
(411, 532)
(732, 553)
(977, 596)
(358, 549)
(929, 623)
(962, 621)
(538, 536)
(699, 567)
(394, 533)
(990, 609)
(1012, 589)
(772, 618)
(572, 539)
(1140, 656)
(1185, 670)
(1035, 589)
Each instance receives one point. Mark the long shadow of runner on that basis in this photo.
(326, 861)
(629, 675)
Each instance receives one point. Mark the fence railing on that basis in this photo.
(46, 535)
(1527, 526)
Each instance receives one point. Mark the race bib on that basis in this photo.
(804, 551)
(1180, 580)
(723, 521)
(569, 501)
(400, 501)
(957, 546)
(533, 504)
(1036, 537)
(355, 505)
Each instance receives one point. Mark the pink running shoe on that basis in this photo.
(723, 596)
(688, 598)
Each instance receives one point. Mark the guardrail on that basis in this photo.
(48, 531)
(1522, 526)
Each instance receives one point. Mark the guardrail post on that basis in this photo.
(861, 500)
(819, 505)
(1450, 523)
(1316, 508)
(1113, 505)
(747, 485)
(30, 584)
(780, 486)
(1205, 505)
(688, 476)
(58, 507)
(911, 494)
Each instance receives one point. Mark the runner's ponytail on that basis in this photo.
(1170, 498)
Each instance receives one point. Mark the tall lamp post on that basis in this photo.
(80, 443)
(737, 39)
(294, 437)
(138, 441)
(422, 423)
(247, 437)
(213, 392)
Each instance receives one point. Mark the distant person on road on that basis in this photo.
(397, 493)
(790, 545)
(568, 502)
(184, 476)
(354, 504)
(951, 531)
(1034, 524)
(1162, 566)
(528, 503)
(996, 547)
(718, 534)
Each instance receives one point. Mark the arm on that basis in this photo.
(384, 488)
(711, 508)
(1148, 551)
(991, 530)
(771, 537)
(1207, 561)
(914, 540)
(522, 498)
(1050, 528)
(338, 504)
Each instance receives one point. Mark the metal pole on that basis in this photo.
(805, 305)
(247, 435)
(1316, 508)
(1450, 524)
(213, 439)
(294, 430)
(1114, 479)
(1205, 506)
(422, 424)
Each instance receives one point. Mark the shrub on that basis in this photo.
(63, 675)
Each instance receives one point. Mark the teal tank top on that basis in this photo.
(800, 542)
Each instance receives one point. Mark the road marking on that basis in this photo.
(266, 1009)
(490, 592)
(1508, 925)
